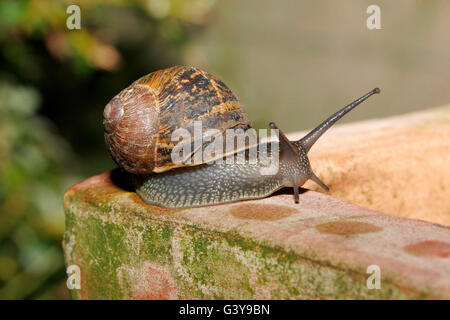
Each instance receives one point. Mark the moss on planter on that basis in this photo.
(203, 264)
(129, 250)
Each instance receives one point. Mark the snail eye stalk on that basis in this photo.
(308, 141)
(319, 182)
(286, 147)
(295, 184)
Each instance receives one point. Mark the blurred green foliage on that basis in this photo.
(32, 178)
(54, 83)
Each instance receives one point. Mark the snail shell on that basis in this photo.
(140, 120)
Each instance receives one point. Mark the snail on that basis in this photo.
(139, 123)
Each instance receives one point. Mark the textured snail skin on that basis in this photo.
(221, 182)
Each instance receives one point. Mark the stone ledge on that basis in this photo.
(264, 249)
(272, 248)
(399, 165)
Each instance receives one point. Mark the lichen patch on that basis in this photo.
(429, 249)
(346, 228)
(268, 212)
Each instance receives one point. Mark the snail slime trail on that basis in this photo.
(139, 123)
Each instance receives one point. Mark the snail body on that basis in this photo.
(218, 183)
(139, 122)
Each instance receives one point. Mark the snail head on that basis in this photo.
(294, 153)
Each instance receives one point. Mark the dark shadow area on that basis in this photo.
(122, 179)
(288, 190)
